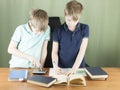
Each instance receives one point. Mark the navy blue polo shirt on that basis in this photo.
(69, 43)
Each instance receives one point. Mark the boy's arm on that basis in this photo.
(79, 57)
(55, 59)
(12, 49)
(43, 53)
(55, 54)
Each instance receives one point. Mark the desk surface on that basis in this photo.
(112, 83)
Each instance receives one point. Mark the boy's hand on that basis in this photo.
(58, 70)
(34, 61)
(40, 67)
(70, 72)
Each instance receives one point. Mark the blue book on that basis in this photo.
(96, 73)
(18, 75)
(41, 80)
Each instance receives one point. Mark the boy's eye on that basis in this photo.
(69, 20)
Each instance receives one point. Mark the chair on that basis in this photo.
(54, 22)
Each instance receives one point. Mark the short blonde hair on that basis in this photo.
(39, 18)
(74, 9)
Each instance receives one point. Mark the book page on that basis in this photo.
(80, 71)
(61, 79)
(77, 80)
(52, 72)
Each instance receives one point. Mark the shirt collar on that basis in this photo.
(76, 29)
(28, 27)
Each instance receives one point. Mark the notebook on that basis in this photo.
(18, 75)
(41, 80)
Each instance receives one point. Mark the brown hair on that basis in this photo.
(74, 9)
(39, 18)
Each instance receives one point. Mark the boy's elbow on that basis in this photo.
(9, 51)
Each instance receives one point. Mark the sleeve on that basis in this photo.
(86, 31)
(47, 34)
(17, 35)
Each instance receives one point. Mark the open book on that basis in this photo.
(73, 80)
(77, 79)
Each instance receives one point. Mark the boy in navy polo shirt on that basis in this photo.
(70, 40)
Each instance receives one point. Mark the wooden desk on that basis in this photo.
(112, 83)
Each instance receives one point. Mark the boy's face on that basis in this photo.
(35, 27)
(70, 22)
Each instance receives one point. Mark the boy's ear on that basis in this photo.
(65, 12)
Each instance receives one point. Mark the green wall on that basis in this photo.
(103, 17)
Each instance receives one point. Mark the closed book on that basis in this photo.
(41, 80)
(96, 73)
(18, 75)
